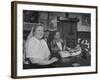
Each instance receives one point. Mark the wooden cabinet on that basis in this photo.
(68, 30)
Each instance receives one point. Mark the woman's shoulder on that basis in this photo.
(42, 40)
(32, 39)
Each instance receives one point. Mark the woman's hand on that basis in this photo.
(64, 54)
(43, 62)
(54, 59)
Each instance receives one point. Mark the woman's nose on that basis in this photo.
(41, 32)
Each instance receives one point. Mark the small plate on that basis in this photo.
(75, 64)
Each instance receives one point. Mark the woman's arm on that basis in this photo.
(76, 53)
(43, 62)
(30, 34)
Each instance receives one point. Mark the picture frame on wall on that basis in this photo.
(86, 20)
(43, 45)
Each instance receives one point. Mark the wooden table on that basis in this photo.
(68, 62)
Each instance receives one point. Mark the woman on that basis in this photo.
(57, 43)
(58, 46)
(37, 50)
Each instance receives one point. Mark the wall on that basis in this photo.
(50, 18)
(80, 27)
(5, 41)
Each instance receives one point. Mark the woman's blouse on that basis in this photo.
(37, 49)
(57, 46)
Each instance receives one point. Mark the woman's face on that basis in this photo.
(39, 32)
(57, 35)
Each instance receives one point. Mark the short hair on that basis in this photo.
(36, 26)
(47, 30)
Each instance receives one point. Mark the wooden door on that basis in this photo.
(68, 30)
